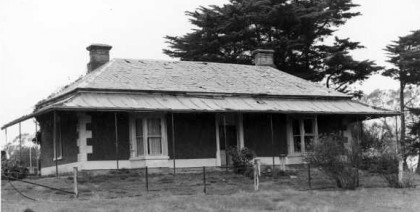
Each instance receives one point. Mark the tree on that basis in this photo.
(414, 131)
(27, 153)
(404, 54)
(296, 30)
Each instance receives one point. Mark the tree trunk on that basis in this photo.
(418, 156)
(402, 133)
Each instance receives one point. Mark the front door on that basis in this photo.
(228, 137)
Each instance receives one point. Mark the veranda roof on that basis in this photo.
(87, 101)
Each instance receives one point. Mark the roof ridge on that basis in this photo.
(301, 80)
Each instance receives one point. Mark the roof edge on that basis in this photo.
(100, 90)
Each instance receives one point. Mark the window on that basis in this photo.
(149, 136)
(304, 134)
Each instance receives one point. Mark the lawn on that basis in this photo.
(225, 192)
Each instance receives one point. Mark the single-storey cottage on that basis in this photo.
(132, 113)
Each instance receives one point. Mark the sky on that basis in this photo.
(43, 43)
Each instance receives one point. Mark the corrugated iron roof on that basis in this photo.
(203, 77)
(89, 101)
(163, 102)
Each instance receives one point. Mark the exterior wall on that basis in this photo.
(68, 123)
(103, 136)
(92, 134)
(195, 135)
(257, 134)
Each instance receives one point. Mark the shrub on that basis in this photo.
(386, 165)
(241, 159)
(13, 169)
(338, 162)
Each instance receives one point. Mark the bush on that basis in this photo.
(386, 165)
(241, 159)
(13, 169)
(338, 162)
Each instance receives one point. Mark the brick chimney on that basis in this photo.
(99, 55)
(264, 57)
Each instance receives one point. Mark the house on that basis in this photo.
(131, 113)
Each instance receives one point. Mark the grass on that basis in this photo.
(226, 192)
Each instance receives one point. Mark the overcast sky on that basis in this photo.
(43, 42)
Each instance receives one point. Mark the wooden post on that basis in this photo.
(173, 142)
(226, 147)
(283, 162)
(36, 141)
(55, 141)
(272, 143)
(116, 138)
(20, 142)
(309, 176)
(147, 180)
(30, 159)
(5, 135)
(256, 174)
(76, 189)
(204, 179)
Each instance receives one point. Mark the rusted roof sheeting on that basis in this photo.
(163, 102)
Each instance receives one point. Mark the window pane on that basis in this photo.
(155, 147)
(308, 126)
(296, 143)
(309, 143)
(153, 127)
(140, 146)
(139, 127)
(296, 127)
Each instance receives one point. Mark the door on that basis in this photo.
(228, 137)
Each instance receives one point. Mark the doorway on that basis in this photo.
(228, 136)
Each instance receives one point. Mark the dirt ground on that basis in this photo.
(225, 191)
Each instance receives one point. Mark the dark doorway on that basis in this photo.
(231, 137)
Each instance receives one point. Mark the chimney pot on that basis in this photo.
(99, 55)
(264, 57)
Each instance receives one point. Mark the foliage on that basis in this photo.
(404, 54)
(385, 129)
(241, 159)
(13, 168)
(25, 152)
(336, 160)
(386, 164)
(295, 30)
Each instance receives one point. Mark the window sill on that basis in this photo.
(151, 157)
(297, 155)
(59, 158)
(301, 154)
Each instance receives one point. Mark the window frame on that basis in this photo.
(291, 135)
(133, 144)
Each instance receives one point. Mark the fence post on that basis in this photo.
(147, 180)
(204, 179)
(256, 174)
(309, 176)
(76, 189)
(283, 162)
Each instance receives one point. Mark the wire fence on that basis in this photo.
(189, 181)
